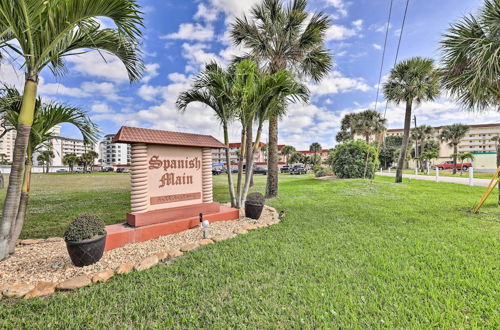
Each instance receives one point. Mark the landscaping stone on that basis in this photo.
(163, 255)
(146, 263)
(222, 237)
(74, 283)
(240, 231)
(250, 227)
(189, 247)
(103, 275)
(54, 239)
(124, 268)
(205, 241)
(41, 289)
(175, 253)
(17, 290)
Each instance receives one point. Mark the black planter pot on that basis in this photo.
(253, 211)
(86, 252)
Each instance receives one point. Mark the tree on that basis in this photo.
(411, 81)
(453, 134)
(287, 151)
(284, 38)
(87, 159)
(368, 123)
(421, 135)
(348, 126)
(426, 157)
(315, 147)
(45, 157)
(71, 160)
(42, 33)
(46, 117)
(470, 58)
(348, 160)
(390, 150)
(463, 157)
(296, 157)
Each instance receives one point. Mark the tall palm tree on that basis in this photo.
(287, 151)
(368, 123)
(43, 33)
(315, 147)
(421, 135)
(88, 159)
(213, 88)
(46, 117)
(45, 157)
(453, 134)
(470, 58)
(70, 160)
(411, 81)
(348, 126)
(284, 38)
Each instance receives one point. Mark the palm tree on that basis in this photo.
(453, 134)
(45, 157)
(42, 33)
(70, 160)
(496, 139)
(368, 123)
(287, 151)
(348, 127)
(284, 38)
(46, 116)
(470, 53)
(421, 135)
(463, 157)
(213, 88)
(87, 159)
(412, 80)
(315, 147)
(426, 157)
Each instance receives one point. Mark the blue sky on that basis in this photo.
(180, 36)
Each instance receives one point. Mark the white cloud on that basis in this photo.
(341, 32)
(337, 83)
(197, 57)
(148, 93)
(339, 5)
(10, 75)
(105, 89)
(150, 72)
(60, 89)
(234, 7)
(377, 46)
(101, 107)
(205, 13)
(192, 32)
(100, 65)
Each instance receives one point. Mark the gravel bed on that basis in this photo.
(49, 261)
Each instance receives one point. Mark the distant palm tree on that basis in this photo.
(453, 134)
(43, 34)
(422, 135)
(287, 151)
(368, 123)
(71, 160)
(284, 38)
(88, 159)
(45, 157)
(463, 157)
(412, 80)
(470, 58)
(315, 147)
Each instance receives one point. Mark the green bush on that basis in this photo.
(317, 167)
(83, 227)
(256, 198)
(348, 160)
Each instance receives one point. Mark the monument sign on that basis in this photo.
(171, 184)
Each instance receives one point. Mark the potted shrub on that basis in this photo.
(85, 239)
(254, 205)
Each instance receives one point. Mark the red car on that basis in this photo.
(449, 166)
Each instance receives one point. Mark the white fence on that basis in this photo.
(5, 169)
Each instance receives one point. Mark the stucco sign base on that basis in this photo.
(122, 234)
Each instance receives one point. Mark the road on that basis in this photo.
(451, 179)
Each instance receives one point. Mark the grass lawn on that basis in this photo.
(350, 253)
(477, 175)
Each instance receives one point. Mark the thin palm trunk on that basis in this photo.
(251, 162)
(23, 205)
(13, 197)
(455, 158)
(404, 145)
(241, 157)
(248, 161)
(498, 165)
(272, 161)
(228, 166)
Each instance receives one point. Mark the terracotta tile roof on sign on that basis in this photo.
(128, 134)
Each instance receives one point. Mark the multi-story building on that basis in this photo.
(219, 155)
(323, 153)
(114, 154)
(7, 144)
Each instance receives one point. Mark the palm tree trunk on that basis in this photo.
(272, 162)
(250, 163)
(240, 166)
(498, 165)
(249, 155)
(404, 145)
(455, 150)
(228, 165)
(23, 206)
(13, 197)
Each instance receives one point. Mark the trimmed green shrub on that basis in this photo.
(348, 160)
(256, 198)
(83, 227)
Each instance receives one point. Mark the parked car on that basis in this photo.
(62, 170)
(120, 170)
(216, 171)
(285, 169)
(297, 170)
(234, 170)
(448, 165)
(107, 169)
(260, 170)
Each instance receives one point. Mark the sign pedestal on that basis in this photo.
(171, 184)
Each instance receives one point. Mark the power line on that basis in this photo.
(383, 53)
